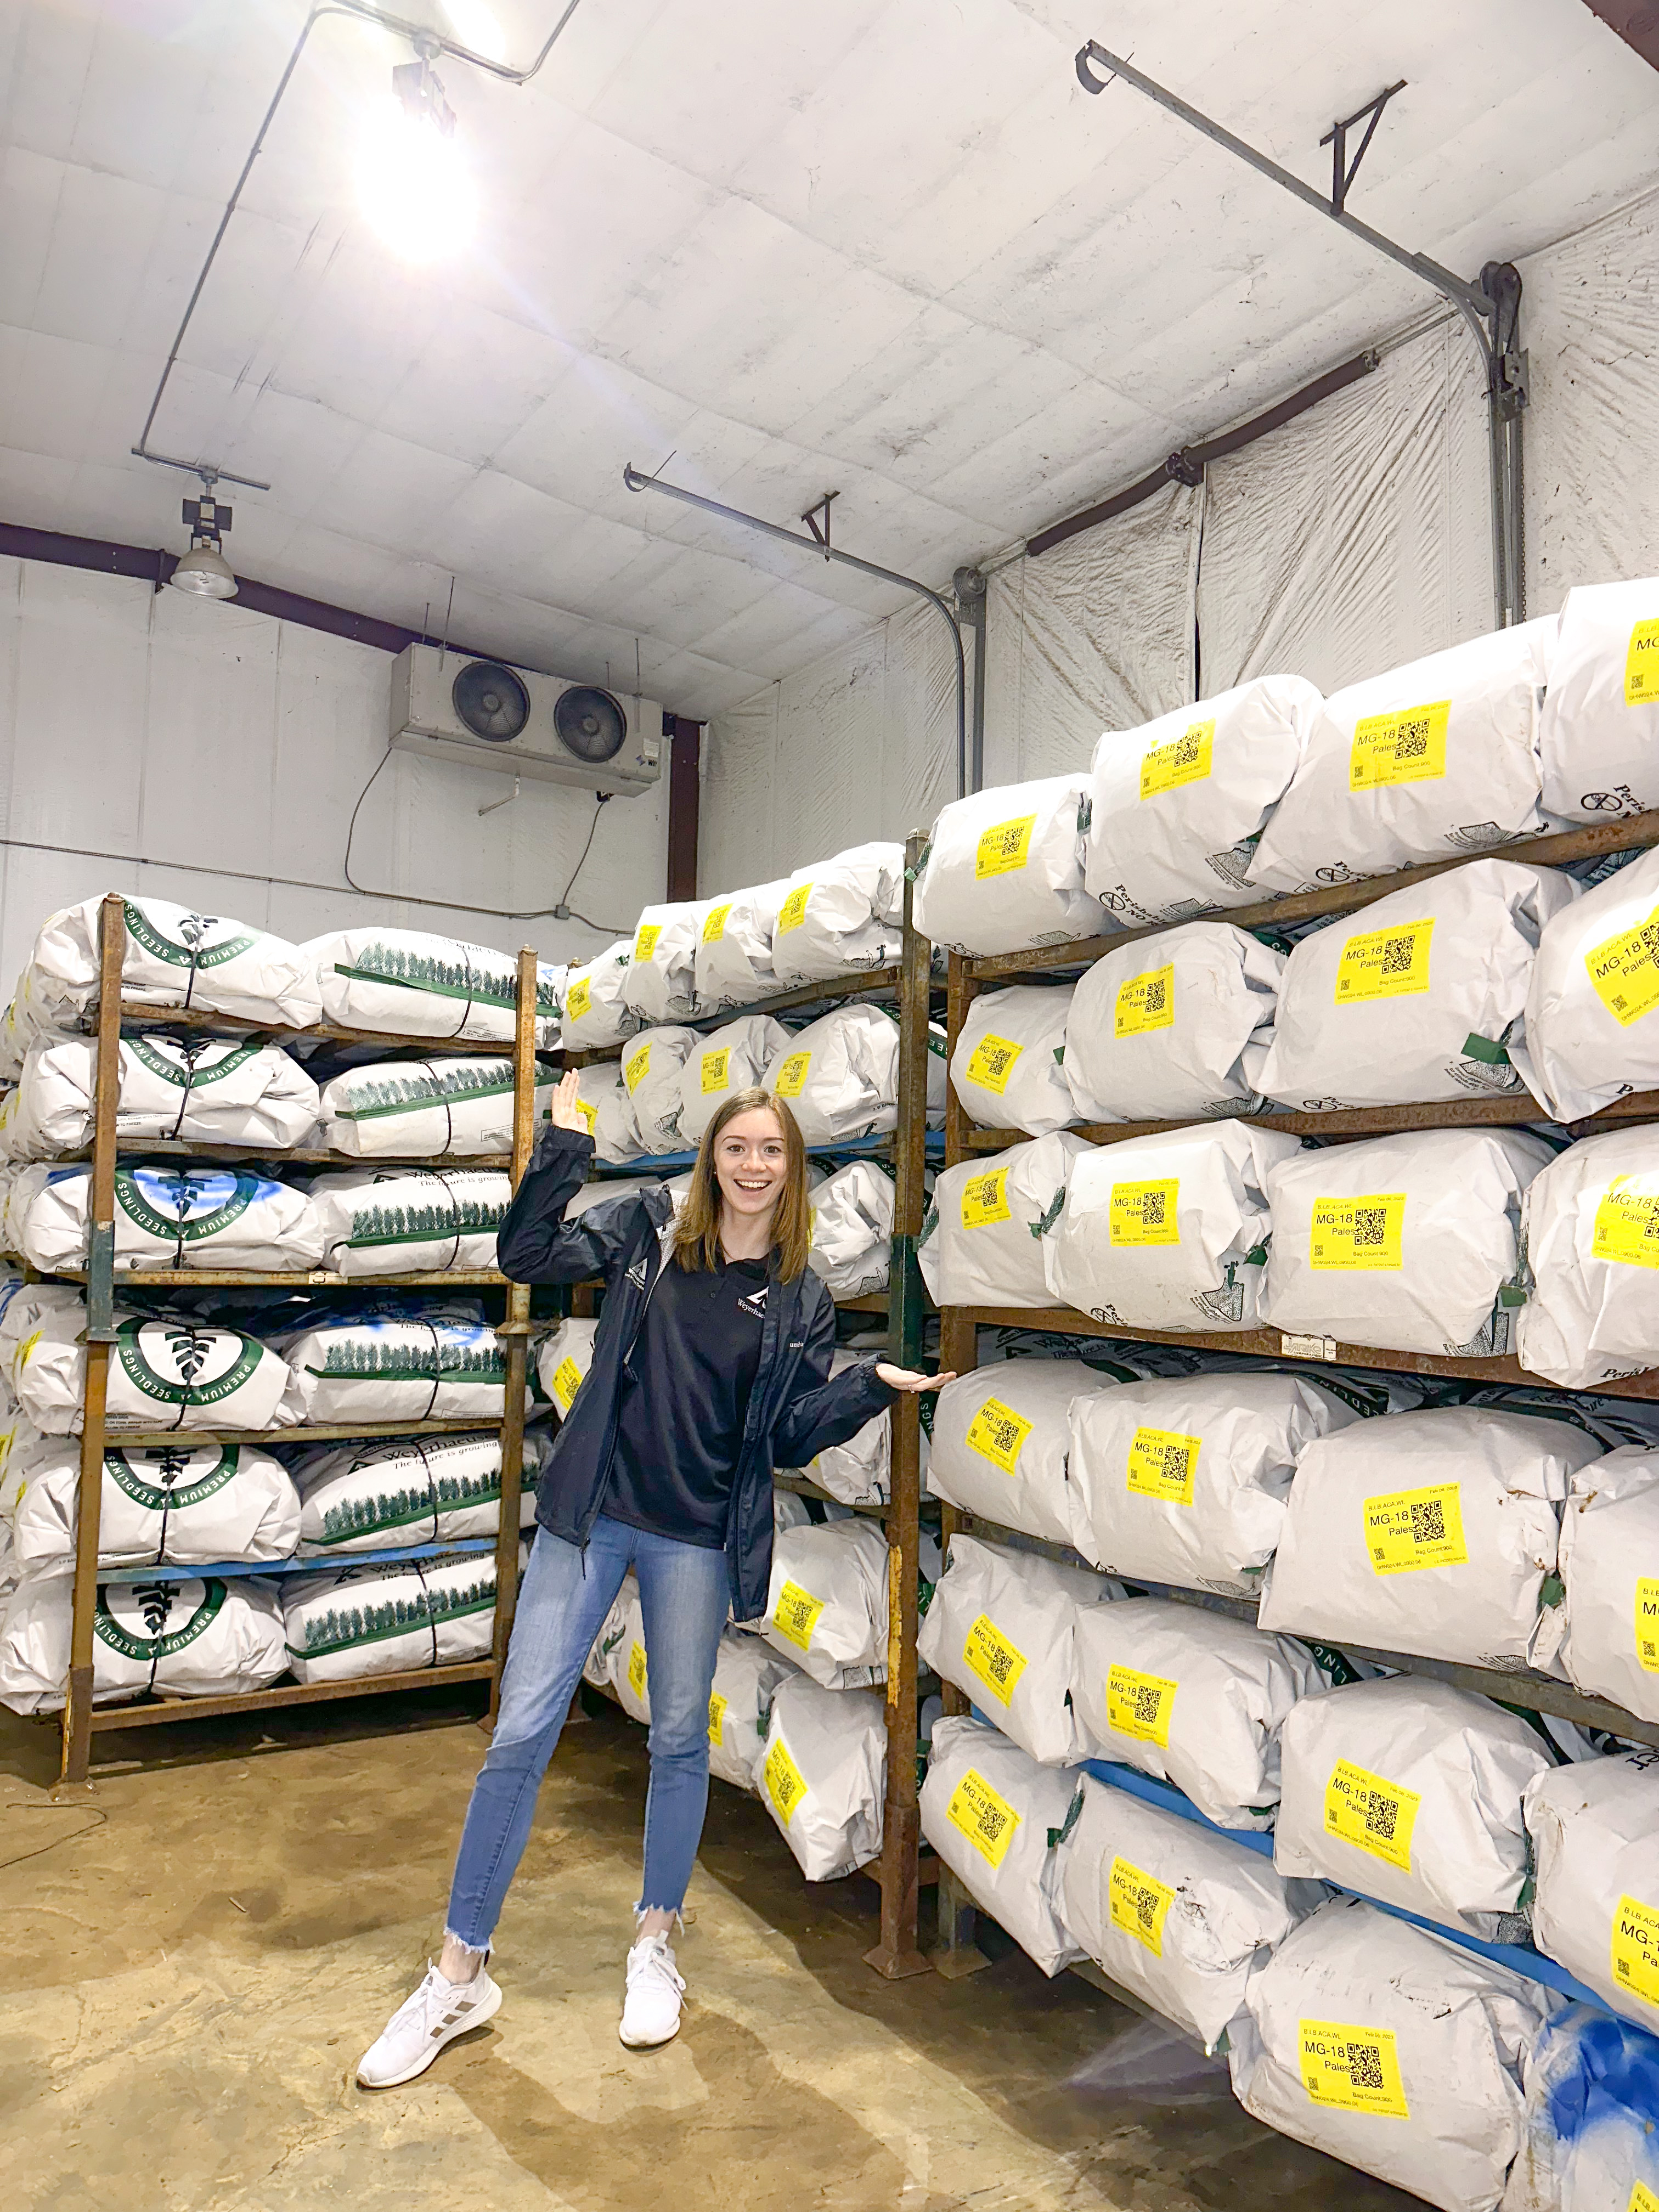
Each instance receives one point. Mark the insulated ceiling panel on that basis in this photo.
(893, 251)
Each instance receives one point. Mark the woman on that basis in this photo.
(711, 1362)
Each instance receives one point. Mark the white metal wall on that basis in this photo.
(211, 740)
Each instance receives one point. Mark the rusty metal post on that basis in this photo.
(515, 1332)
(76, 1748)
(897, 1955)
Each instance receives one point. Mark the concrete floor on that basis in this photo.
(196, 1956)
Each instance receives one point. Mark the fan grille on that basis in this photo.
(591, 723)
(490, 700)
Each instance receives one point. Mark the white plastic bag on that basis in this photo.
(651, 1070)
(728, 1059)
(596, 1012)
(1189, 1696)
(1000, 1439)
(206, 1090)
(1409, 1790)
(980, 1242)
(1595, 1831)
(839, 1075)
(1590, 1233)
(415, 1108)
(659, 983)
(845, 912)
(386, 1620)
(1003, 871)
(397, 1491)
(747, 1674)
(853, 1230)
(1178, 805)
(409, 984)
(1610, 1565)
(173, 957)
(1429, 1533)
(195, 1638)
(823, 1776)
(1592, 2086)
(1184, 1481)
(1174, 1027)
(175, 1373)
(994, 1817)
(166, 1215)
(826, 1608)
(1391, 2049)
(859, 1471)
(1173, 1912)
(732, 963)
(392, 1221)
(1000, 1626)
(1434, 759)
(166, 1505)
(1590, 1036)
(602, 1100)
(563, 1359)
(1409, 1241)
(1009, 1066)
(394, 1368)
(1599, 734)
(1421, 995)
(1168, 1232)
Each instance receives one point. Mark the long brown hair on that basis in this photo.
(698, 1231)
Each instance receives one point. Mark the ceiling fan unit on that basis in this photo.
(518, 723)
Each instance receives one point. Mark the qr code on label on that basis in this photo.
(1005, 1433)
(1151, 1209)
(1187, 750)
(1365, 2066)
(998, 1058)
(999, 1664)
(1397, 957)
(983, 1193)
(1380, 1814)
(1008, 840)
(1370, 1224)
(992, 1822)
(1428, 1521)
(1158, 994)
(1147, 1704)
(1175, 1462)
(1145, 1908)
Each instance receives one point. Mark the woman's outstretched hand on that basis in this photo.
(564, 1110)
(906, 1379)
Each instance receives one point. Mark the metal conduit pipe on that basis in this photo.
(637, 480)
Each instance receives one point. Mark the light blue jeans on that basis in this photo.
(685, 1596)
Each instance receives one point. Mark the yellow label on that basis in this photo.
(796, 1614)
(987, 1821)
(985, 1199)
(1139, 1705)
(636, 1670)
(1185, 759)
(998, 1664)
(786, 1785)
(1355, 2070)
(712, 1068)
(579, 999)
(1145, 1002)
(567, 1381)
(645, 939)
(792, 912)
(1358, 1232)
(1378, 1816)
(1626, 1228)
(1636, 1949)
(714, 923)
(992, 1062)
(1140, 1903)
(716, 1717)
(1409, 747)
(1144, 1212)
(1004, 848)
(635, 1071)
(26, 1351)
(997, 1432)
(1624, 971)
(589, 1112)
(1641, 2199)
(1647, 1622)
(1385, 963)
(792, 1076)
(1162, 1464)
(1409, 1529)
(1642, 665)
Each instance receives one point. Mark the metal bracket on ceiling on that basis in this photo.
(810, 519)
(1343, 171)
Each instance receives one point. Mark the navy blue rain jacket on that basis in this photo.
(795, 1409)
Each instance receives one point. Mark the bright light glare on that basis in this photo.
(477, 27)
(414, 187)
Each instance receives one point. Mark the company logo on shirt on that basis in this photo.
(636, 1273)
(755, 1302)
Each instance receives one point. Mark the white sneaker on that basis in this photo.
(651, 2011)
(438, 2012)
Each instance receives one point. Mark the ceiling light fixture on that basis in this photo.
(203, 572)
(412, 180)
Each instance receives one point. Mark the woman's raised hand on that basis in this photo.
(906, 1379)
(565, 1111)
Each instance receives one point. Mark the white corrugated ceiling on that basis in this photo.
(894, 251)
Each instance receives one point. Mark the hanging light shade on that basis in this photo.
(204, 575)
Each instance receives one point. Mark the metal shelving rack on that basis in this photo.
(81, 1720)
(967, 976)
